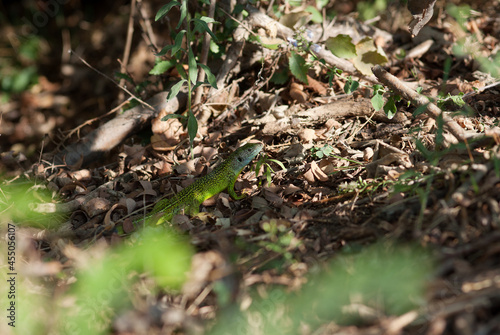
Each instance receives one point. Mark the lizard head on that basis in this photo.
(244, 155)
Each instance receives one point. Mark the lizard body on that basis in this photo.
(221, 178)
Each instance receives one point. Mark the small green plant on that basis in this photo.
(268, 170)
(178, 54)
(389, 279)
(324, 151)
(327, 151)
(455, 99)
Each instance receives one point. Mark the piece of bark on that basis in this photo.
(112, 133)
(422, 11)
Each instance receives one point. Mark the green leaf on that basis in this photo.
(124, 76)
(180, 70)
(280, 77)
(268, 176)
(183, 13)
(173, 116)
(142, 86)
(210, 77)
(378, 102)
(192, 126)
(351, 85)
(321, 3)
(193, 68)
(178, 42)
(164, 51)
(162, 67)
(341, 46)
(202, 26)
(165, 9)
(259, 164)
(175, 89)
(298, 67)
(24, 79)
(277, 162)
(316, 16)
(390, 108)
(419, 110)
(214, 47)
(457, 99)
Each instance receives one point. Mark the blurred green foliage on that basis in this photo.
(369, 9)
(383, 278)
(17, 199)
(18, 71)
(104, 288)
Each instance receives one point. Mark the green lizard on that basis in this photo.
(191, 197)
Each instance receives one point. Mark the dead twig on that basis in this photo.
(128, 45)
(407, 93)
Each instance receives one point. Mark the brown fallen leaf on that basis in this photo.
(296, 92)
(316, 86)
(314, 173)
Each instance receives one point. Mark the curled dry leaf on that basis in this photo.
(367, 154)
(148, 188)
(108, 219)
(297, 93)
(74, 187)
(314, 173)
(81, 175)
(222, 203)
(316, 86)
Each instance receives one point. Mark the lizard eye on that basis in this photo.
(239, 159)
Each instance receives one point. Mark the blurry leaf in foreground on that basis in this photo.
(25, 315)
(17, 201)
(103, 288)
(383, 278)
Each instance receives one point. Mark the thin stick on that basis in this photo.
(128, 45)
(431, 109)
